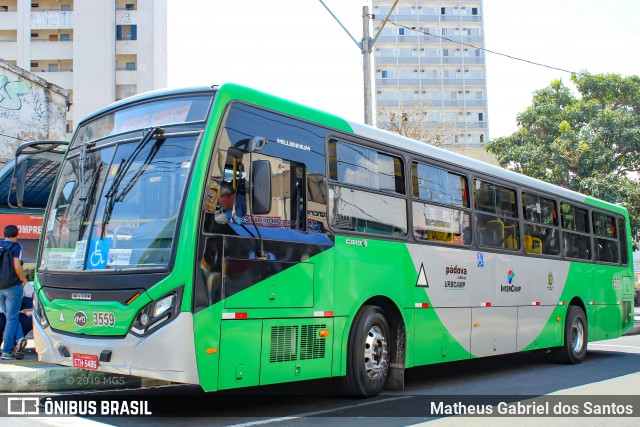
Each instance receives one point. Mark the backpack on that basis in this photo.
(8, 276)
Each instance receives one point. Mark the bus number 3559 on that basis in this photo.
(103, 319)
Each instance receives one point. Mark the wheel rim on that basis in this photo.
(577, 336)
(375, 353)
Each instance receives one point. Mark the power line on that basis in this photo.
(482, 48)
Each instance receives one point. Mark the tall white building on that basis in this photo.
(99, 50)
(429, 68)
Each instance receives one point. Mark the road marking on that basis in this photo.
(613, 345)
(311, 414)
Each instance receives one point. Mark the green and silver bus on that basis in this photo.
(224, 237)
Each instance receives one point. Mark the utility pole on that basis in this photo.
(365, 46)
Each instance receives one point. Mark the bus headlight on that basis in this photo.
(157, 313)
(38, 312)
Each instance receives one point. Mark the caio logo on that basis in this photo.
(80, 319)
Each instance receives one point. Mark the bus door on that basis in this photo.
(264, 270)
(262, 257)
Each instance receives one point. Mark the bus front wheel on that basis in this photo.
(368, 353)
(574, 349)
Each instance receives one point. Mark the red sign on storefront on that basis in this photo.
(30, 226)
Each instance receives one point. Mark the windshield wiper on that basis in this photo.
(152, 153)
(125, 164)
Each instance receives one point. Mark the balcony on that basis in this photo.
(126, 47)
(126, 77)
(8, 49)
(459, 60)
(9, 20)
(460, 18)
(126, 17)
(52, 19)
(51, 50)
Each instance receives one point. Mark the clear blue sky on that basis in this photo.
(294, 48)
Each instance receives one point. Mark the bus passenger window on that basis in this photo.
(441, 205)
(541, 233)
(605, 238)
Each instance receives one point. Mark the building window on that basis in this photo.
(385, 74)
(65, 37)
(480, 117)
(126, 32)
(401, 31)
(65, 7)
(442, 11)
(4, 8)
(53, 68)
(34, 5)
(130, 6)
(34, 65)
(474, 10)
(130, 66)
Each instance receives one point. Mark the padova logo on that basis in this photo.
(80, 319)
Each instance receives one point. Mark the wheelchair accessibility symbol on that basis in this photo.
(98, 252)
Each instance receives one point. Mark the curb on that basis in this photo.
(29, 375)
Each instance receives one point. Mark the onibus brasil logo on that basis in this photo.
(510, 287)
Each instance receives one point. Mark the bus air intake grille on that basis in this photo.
(311, 345)
(284, 344)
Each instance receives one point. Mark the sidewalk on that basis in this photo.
(30, 375)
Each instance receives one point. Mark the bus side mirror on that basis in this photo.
(261, 185)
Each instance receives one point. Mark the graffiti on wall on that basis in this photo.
(10, 93)
(28, 111)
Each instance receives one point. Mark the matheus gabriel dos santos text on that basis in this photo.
(532, 408)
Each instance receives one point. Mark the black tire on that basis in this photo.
(368, 353)
(574, 350)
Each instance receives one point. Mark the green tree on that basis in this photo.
(587, 141)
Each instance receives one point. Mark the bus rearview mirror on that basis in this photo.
(261, 184)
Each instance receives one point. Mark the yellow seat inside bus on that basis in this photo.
(498, 235)
(532, 245)
(440, 236)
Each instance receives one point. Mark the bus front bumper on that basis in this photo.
(168, 354)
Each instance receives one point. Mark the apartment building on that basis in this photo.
(99, 50)
(429, 68)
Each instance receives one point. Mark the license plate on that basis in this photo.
(85, 361)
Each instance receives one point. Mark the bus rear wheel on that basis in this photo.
(368, 353)
(574, 349)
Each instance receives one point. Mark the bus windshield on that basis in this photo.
(116, 205)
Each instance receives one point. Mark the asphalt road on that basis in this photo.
(609, 376)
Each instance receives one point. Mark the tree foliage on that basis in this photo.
(588, 142)
(408, 119)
